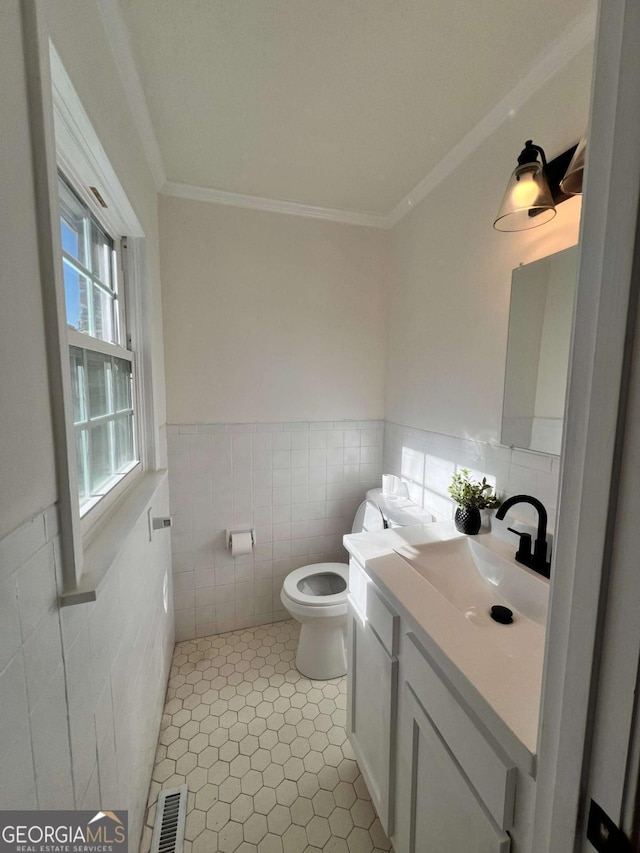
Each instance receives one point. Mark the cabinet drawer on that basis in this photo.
(373, 607)
(485, 764)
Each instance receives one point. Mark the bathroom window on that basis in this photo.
(101, 361)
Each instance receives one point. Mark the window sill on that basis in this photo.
(113, 490)
(112, 538)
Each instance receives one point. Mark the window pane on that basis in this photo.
(89, 269)
(124, 444)
(122, 381)
(70, 238)
(81, 464)
(76, 291)
(103, 320)
(76, 358)
(100, 457)
(102, 249)
(74, 218)
(98, 375)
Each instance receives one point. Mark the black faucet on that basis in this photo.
(538, 560)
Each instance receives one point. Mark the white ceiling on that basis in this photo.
(343, 104)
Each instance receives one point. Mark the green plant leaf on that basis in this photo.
(469, 494)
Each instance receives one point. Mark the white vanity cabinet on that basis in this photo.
(440, 781)
(372, 690)
(455, 787)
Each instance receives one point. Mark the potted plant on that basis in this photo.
(471, 496)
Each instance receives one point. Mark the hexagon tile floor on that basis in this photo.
(262, 749)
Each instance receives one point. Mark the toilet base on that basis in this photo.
(322, 649)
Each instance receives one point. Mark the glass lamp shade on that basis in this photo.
(527, 202)
(572, 181)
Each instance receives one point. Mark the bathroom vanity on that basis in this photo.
(443, 702)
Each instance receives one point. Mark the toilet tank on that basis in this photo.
(399, 511)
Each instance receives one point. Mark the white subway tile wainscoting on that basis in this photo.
(82, 687)
(298, 485)
(426, 461)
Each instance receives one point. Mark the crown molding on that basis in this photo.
(271, 205)
(120, 43)
(580, 34)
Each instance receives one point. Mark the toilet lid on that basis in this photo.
(319, 584)
(368, 518)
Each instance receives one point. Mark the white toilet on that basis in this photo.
(316, 595)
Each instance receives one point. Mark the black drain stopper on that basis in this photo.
(501, 614)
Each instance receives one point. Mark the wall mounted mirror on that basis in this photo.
(540, 322)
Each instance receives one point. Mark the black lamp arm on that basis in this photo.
(529, 154)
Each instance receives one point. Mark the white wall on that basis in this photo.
(81, 688)
(270, 317)
(26, 448)
(449, 297)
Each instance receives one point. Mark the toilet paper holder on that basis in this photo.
(229, 534)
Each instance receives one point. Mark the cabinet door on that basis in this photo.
(437, 809)
(371, 713)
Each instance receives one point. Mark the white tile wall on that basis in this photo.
(82, 688)
(426, 460)
(297, 484)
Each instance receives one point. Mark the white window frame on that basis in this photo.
(63, 138)
(84, 163)
(92, 510)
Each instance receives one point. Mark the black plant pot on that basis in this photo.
(468, 520)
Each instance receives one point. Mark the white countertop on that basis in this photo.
(508, 681)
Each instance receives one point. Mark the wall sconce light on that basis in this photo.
(534, 189)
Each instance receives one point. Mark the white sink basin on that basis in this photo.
(473, 578)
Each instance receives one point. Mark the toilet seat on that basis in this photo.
(307, 595)
(292, 589)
